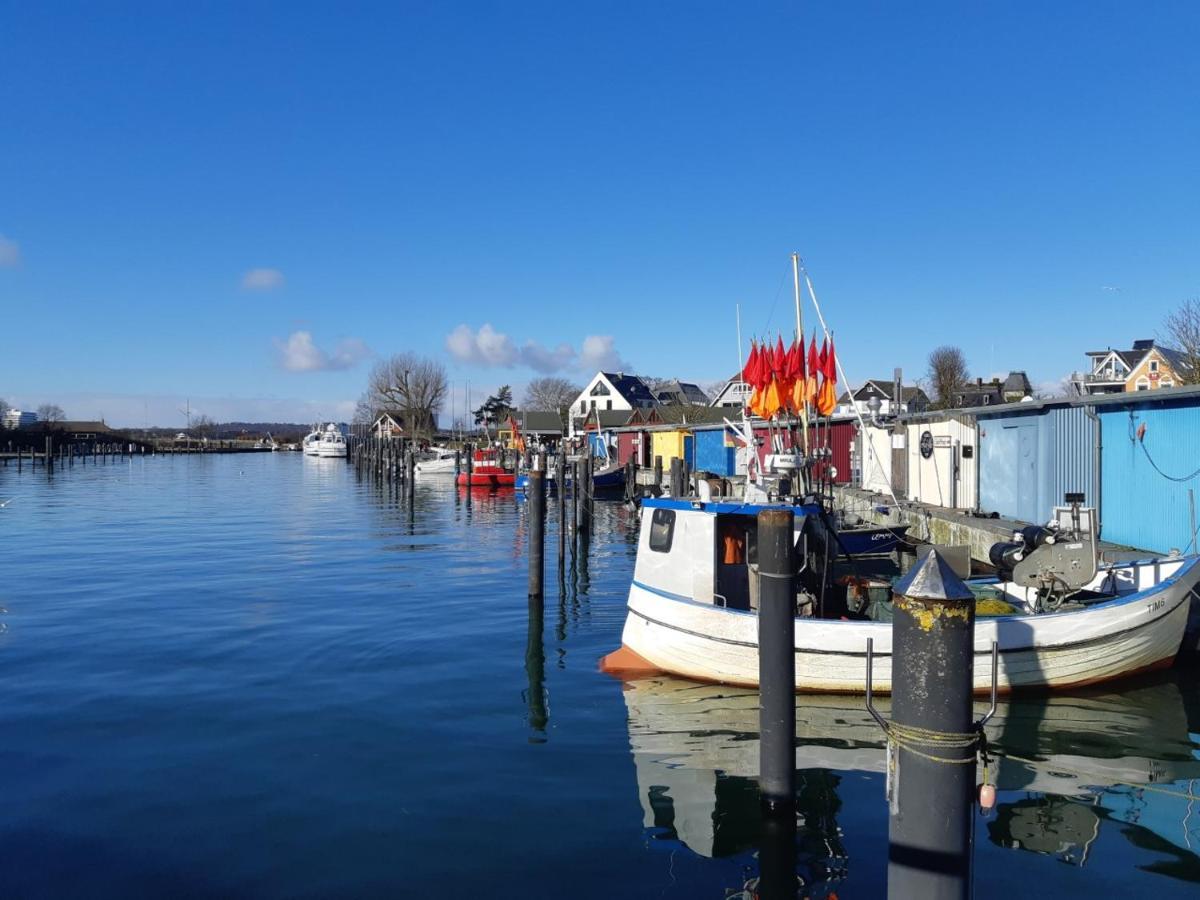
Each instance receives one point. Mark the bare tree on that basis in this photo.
(551, 395)
(50, 412)
(3, 409)
(947, 375)
(364, 411)
(1182, 328)
(203, 425)
(412, 384)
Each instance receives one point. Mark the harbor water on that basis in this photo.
(263, 676)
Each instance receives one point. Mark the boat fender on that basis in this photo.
(987, 797)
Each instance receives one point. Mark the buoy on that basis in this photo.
(987, 797)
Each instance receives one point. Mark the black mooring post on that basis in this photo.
(675, 478)
(560, 486)
(574, 504)
(931, 801)
(777, 660)
(658, 473)
(470, 453)
(49, 453)
(535, 495)
(777, 857)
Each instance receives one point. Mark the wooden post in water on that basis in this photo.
(470, 450)
(932, 738)
(776, 660)
(675, 478)
(574, 504)
(535, 496)
(560, 486)
(658, 472)
(49, 453)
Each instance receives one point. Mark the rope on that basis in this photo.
(1140, 439)
(911, 738)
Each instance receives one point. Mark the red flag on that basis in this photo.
(831, 364)
(751, 362)
(796, 370)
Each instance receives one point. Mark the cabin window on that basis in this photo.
(662, 529)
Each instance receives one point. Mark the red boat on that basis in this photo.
(486, 471)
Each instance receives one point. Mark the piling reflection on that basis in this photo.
(1066, 768)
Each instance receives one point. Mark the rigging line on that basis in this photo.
(775, 302)
(842, 370)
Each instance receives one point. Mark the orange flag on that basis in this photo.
(814, 369)
(827, 396)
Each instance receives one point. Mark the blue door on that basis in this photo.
(1027, 474)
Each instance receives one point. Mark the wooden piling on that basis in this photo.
(776, 658)
(535, 497)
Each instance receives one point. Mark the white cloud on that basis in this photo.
(488, 347)
(300, 354)
(599, 352)
(262, 280)
(10, 253)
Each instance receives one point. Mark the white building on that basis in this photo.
(15, 418)
(913, 399)
(611, 391)
(734, 394)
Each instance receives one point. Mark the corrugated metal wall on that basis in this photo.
(671, 444)
(1141, 506)
(948, 476)
(1028, 461)
(713, 452)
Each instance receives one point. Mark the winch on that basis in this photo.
(1057, 559)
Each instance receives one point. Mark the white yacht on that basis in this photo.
(332, 443)
(309, 444)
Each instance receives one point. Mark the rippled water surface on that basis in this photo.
(262, 676)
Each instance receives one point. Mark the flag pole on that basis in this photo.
(800, 337)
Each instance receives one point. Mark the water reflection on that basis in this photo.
(1067, 769)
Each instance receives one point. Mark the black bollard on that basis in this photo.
(49, 453)
(574, 504)
(932, 739)
(658, 472)
(536, 501)
(469, 450)
(676, 478)
(560, 486)
(777, 659)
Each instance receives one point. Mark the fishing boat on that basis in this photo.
(1061, 619)
(867, 540)
(332, 444)
(486, 471)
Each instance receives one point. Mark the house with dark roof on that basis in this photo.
(610, 392)
(677, 415)
(1146, 366)
(681, 393)
(981, 393)
(912, 399)
(1016, 387)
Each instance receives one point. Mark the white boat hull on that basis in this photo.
(436, 467)
(1138, 631)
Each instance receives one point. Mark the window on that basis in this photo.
(1166, 382)
(593, 404)
(1142, 384)
(608, 404)
(662, 529)
(600, 390)
(1154, 365)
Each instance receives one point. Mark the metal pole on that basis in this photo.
(777, 659)
(536, 504)
(931, 749)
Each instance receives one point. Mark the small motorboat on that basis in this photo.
(437, 461)
(870, 540)
(607, 480)
(486, 471)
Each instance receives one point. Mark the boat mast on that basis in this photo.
(800, 337)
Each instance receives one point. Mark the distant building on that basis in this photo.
(980, 393)
(388, 425)
(16, 418)
(610, 392)
(681, 393)
(733, 394)
(912, 399)
(1016, 387)
(1143, 368)
(537, 427)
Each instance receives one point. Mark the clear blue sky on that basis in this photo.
(195, 196)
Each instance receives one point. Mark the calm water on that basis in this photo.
(260, 676)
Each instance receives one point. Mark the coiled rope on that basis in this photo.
(919, 741)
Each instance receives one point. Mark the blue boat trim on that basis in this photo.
(741, 509)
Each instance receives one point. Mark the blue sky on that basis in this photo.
(194, 197)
